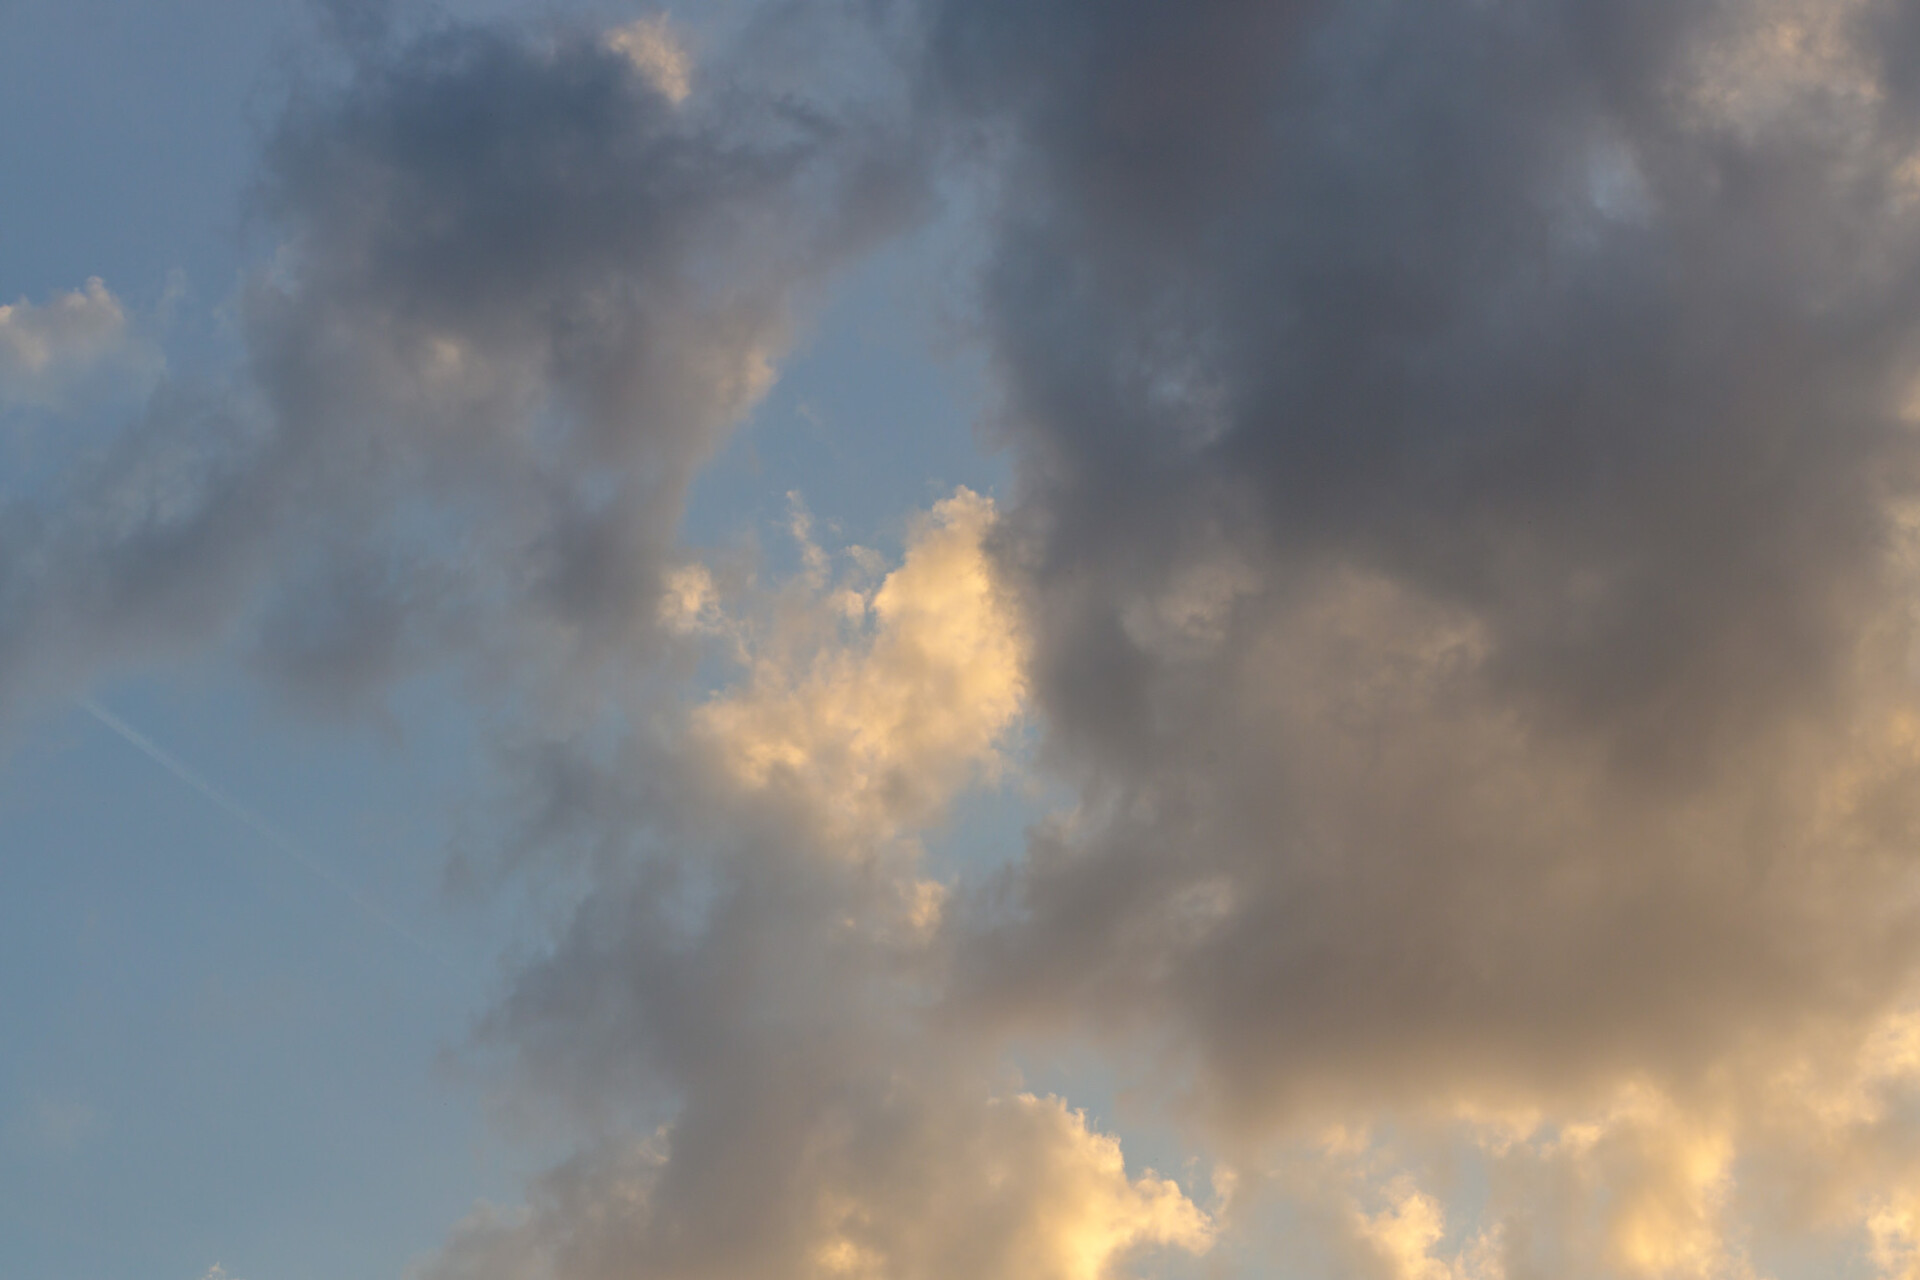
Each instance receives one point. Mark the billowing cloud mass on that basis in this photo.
(915, 1187)
(1459, 569)
(762, 975)
(1466, 507)
(1466, 515)
(522, 289)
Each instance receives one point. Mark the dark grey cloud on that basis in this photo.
(518, 293)
(1465, 456)
(136, 552)
(525, 287)
(356, 25)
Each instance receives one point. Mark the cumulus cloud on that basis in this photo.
(1782, 1165)
(908, 1186)
(523, 290)
(744, 992)
(52, 354)
(880, 733)
(518, 298)
(1466, 475)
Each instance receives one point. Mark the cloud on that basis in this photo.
(657, 53)
(1464, 507)
(1017, 1186)
(1460, 555)
(518, 297)
(138, 552)
(1780, 1166)
(880, 732)
(517, 281)
(1401, 1237)
(743, 992)
(54, 355)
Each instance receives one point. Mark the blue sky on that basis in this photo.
(958, 638)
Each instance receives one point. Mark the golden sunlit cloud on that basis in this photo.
(877, 705)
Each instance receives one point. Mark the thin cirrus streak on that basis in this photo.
(366, 906)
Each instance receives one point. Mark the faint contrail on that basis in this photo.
(240, 813)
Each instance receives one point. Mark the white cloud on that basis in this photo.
(54, 354)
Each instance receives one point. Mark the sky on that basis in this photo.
(934, 639)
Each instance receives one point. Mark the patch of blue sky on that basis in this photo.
(873, 418)
(260, 1054)
(128, 131)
